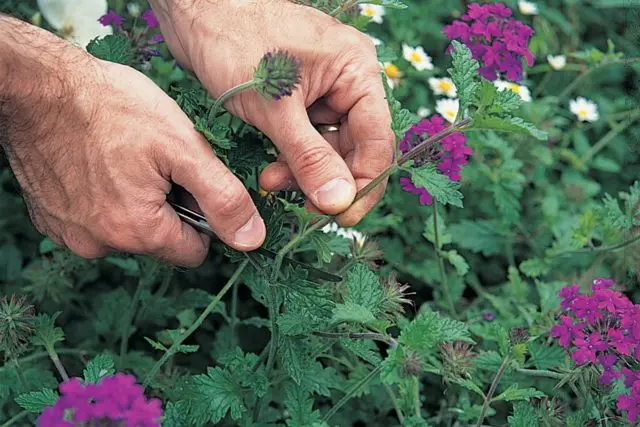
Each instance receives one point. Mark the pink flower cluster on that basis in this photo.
(116, 400)
(495, 39)
(451, 154)
(603, 328)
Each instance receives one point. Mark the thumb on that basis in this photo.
(317, 167)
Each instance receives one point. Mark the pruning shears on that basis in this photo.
(199, 222)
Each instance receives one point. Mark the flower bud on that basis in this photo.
(518, 336)
(277, 75)
(16, 324)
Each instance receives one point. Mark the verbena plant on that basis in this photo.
(445, 315)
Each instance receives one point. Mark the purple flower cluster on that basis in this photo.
(141, 40)
(451, 153)
(603, 328)
(116, 400)
(495, 39)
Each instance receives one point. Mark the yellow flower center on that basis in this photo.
(445, 85)
(515, 88)
(368, 12)
(392, 71)
(415, 57)
(583, 113)
(451, 114)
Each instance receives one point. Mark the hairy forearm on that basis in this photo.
(36, 69)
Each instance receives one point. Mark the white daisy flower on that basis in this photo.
(376, 41)
(448, 108)
(373, 11)
(347, 233)
(557, 62)
(134, 9)
(522, 91)
(443, 86)
(417, 57)
(423, 112)
(76, 21)
(527, 7)
(585, 110)
(393, 74)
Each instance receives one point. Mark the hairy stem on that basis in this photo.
(226, 96)
(53, 355)
(351, 392)
(443, 272)
(344, 6)
(567, 91)
(126, 330)
(492, 390)
(394, 402)
(212, 305)
(608, 138)
(540, 373)
(16, 418)
(417, 405)
(600, 249)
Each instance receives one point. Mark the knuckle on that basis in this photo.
(311, 160)
(232, 199)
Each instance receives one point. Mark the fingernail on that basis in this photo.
(337, 193)
(251, 234)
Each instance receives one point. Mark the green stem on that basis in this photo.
(541, 373)
(234, 311)
(21, 378)
(351, 392)
(394, 402)
(543, 84)
(212, 305)
(43, 354)
(416, 395)
(126, 330)
(273, 317)
(600, 249)
(15, 419)
(53, 355)
(608, 138)
(492, 390)
(567, 91)
(228, 94)
(344, 6)
(443, 273)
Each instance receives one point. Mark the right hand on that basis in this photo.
(95, 147)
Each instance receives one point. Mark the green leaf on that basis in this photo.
(352, 312)
(508, 124)
(429, 232)
(479, 236)
(364, 349)
(488, 361)
(546, 356)
(534, 267)
(46, 334)
(10, 262)
(386, 53)
(299, 404)
(364, 289)
(36, 401)
(548, 291)
(469, 385)
(429, 329)
(219, 394)
(439, 186)
(391, 4)
(401, 118)
(114, 47)
(490, 100)
(524, 415)
(101, 366)
(292, 357)
(515, 393)
(464, 74)
(458, 261)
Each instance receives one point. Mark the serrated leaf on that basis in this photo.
(546, 356)
(291, 352)
(299, 404)
(480, 236)
(458, 261)
(464, 74)
(113, 47)
(490, 100)
(508, 124)
(524, 415)
(219, 394)
(99, 367)
(430, 329)
(353, 313)
(515, 393)
(534, 267)
(364, 288)
(469, 385)
(401, 119)
(488, 361)
(46, 334)
(439, 186)
(386, 53)
(36, 401)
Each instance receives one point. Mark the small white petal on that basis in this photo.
(527, 8)
(557, 62)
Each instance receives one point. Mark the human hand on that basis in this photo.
(95, 147)
(222, 42)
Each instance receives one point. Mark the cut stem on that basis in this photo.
(226, 96)
(212, 305)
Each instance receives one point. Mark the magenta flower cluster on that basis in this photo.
(603, 328)
(498, 41)
(141, 40)
(115, 401)
(451, 153)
